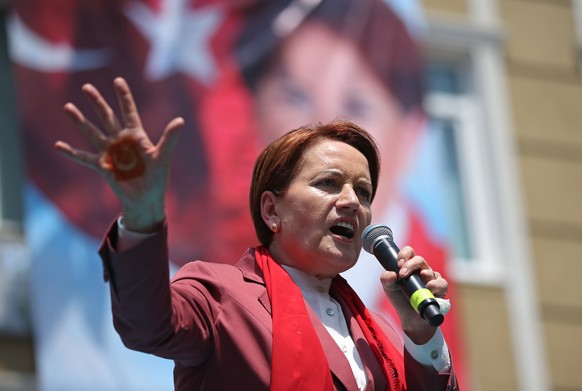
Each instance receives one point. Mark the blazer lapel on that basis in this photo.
(338, 363)
(253, 274)
(264, 300)
(376, 378)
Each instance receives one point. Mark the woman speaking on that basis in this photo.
(281, 318)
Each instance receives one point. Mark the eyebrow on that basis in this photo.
(336, 171)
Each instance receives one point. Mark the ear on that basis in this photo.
(269, 208)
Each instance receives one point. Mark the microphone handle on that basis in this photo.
(421, 299)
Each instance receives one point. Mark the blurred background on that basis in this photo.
(475, 104)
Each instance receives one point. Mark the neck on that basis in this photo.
(285, 261)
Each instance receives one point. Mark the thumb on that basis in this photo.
(170, 137)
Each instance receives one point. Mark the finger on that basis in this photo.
(389, 281)
(170, 137)
(439, 288)
(93, 134)
(404, 255)
(428, 274)
(443, 286)
(416, 264)
(102, 109)
(85, 158)
(436, 283)
(129, 112)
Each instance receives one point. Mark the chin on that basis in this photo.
(345, 269)
(345, 266)
(341, 259)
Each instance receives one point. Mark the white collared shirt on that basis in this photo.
(329, 311)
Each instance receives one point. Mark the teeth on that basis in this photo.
(343, 229)
(345, 225)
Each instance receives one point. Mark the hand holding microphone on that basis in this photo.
(378, 240)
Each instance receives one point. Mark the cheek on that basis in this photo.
(394, 157)
(367, 215)
(307, 217)
(365, 218)
(388, 140)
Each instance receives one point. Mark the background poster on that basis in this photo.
(240, 72)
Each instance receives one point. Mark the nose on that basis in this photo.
(348, 198)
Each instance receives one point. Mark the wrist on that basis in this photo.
(143, 220)
(419, 333)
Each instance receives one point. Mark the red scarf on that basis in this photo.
(299, 362)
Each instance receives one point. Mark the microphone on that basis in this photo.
(378, 240)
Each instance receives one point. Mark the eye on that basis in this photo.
(294, 96)
(364, 193)
(357, 108)
(326, 183)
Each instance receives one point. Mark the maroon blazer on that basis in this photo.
(214, 321)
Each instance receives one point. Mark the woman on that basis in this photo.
(247, 326)
(353, 59)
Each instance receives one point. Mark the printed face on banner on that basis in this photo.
(319, 75)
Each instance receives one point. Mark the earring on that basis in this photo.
(274, 227)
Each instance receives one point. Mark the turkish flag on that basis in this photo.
(59, 45)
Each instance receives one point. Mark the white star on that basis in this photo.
(178, 38)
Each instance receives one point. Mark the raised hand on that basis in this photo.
(135, 168)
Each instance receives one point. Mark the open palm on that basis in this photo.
(135, 168)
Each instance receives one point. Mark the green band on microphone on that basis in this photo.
(419, 296)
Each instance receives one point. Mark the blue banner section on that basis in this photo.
(77, 347)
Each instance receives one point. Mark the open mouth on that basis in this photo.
(343, 229)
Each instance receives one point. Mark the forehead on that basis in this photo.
(315, 53)
(332, 154)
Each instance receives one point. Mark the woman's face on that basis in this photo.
(320, 76)
(322, 214)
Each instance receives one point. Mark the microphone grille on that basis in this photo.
(373, 232)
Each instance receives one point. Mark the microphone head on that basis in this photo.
(373, 232)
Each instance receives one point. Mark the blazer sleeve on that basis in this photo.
(421, 378)
(149, 315)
